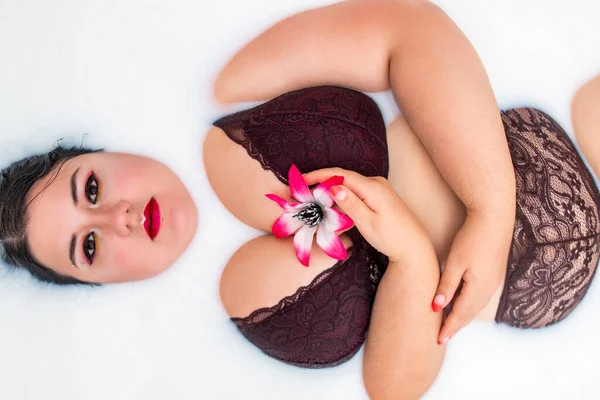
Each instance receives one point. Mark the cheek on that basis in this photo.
(125, 184)
(133, 180)
(124, 259)
(132, 260)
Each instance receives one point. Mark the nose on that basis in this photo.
(116, 217)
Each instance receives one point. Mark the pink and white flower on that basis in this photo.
(313, 213)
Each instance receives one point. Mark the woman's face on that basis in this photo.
(110, 217)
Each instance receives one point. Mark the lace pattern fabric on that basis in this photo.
(555, 247)
(313, 128)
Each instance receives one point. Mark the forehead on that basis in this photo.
(49, 214)
(53, 184)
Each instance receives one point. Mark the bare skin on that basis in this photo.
(585, 115)
(385, 221)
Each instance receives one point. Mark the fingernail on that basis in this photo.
(438, 302)
(444, 341)
(338, 192)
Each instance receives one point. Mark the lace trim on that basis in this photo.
(238, 135)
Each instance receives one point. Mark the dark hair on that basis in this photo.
(15, 183)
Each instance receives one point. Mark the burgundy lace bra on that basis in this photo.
(555, 242)
(326, 322)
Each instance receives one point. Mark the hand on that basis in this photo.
(478, 257)
(378, 212)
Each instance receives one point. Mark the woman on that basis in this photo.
(316, 316)
(111, 232)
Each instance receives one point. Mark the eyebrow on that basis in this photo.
(72, 251)
(74, 187)
(75, 201)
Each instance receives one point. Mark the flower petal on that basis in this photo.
(286, 225)
(303, 243)
(321, 192)
(331, 243)
(336, 221)
(298, 186)
(289, 207)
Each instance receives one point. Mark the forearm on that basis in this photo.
(443, 91)
(345, 44)
(402, 357)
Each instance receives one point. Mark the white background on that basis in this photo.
(136, 76)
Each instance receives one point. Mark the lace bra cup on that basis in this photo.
(313, 128)
(324, 323)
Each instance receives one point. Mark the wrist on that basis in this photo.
(499, 217)
(498, 204)
(415, 250)
(421, 263)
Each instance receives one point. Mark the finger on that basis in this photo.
(321, 175)
(354, 207)
(464, 310)
(449, 281)
(356, 182)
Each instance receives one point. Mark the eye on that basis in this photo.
(89, 246)
(92, 189)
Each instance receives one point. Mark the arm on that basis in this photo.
(411, 46)
(402, 358)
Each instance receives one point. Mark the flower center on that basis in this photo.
(312, 215)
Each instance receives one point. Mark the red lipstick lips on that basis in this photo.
(152, 222)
